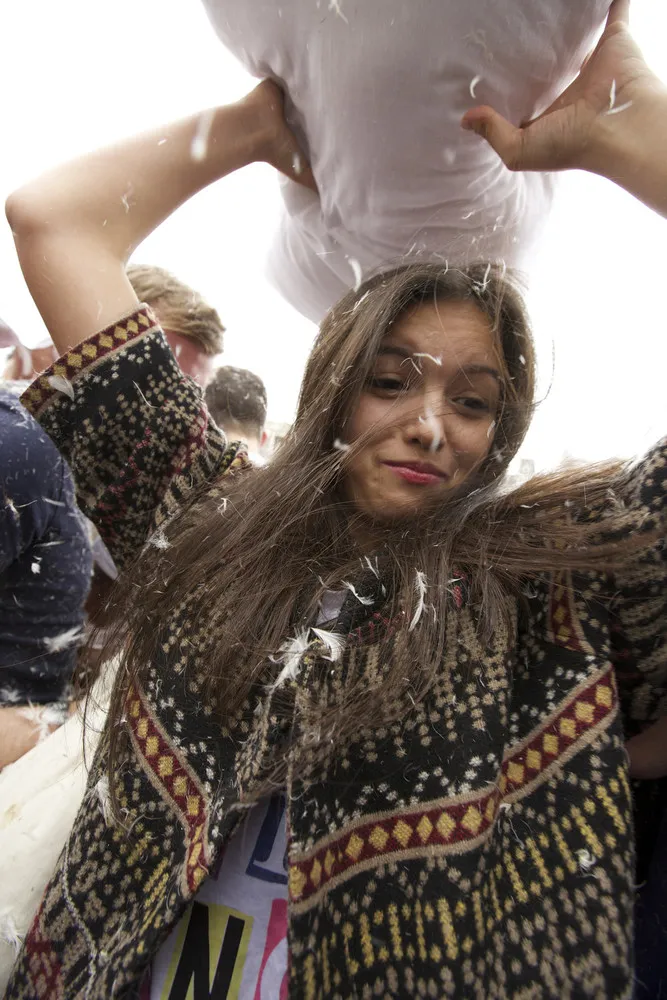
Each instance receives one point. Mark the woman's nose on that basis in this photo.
(429, 428)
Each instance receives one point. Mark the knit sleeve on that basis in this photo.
(133, 428)
(639, 605)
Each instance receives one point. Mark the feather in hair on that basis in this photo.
(334, 642)
(292, 651)
(420, 590)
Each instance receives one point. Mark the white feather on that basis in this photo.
(61, 384)
(420, 590)
(10, 696)
(335, 643)
(10, 505)
(621, 107)
(586, 859)
(292, 652)
(340, 445)
(356, 268)
(352, 589)
(423, 354)
(372, 568)
(159, 540)
(431, 422)
(41, 719)
(9, 933)
(103, 794)
(359, 301)
(56, 643)
(473, 84)
(334, 5)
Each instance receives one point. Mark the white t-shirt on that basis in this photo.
(376, 93)
(232, 942)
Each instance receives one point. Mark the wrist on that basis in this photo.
(264, 125)
(238, 135)
(625, 139)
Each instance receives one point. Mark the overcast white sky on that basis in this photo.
(77, 74)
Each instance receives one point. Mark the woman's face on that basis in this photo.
(430, 406)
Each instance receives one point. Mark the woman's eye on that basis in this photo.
(473, 403)
(386, 383)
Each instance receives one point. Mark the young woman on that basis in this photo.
(367, 655)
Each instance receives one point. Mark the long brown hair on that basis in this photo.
(249, 560)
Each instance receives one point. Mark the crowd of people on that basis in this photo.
(359, 717)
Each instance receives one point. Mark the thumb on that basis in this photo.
(506, 139)
(292, 162)
(301, 171)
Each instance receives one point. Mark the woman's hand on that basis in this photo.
(277, 143)
(20, 731)
(573, 132)
(648, 752)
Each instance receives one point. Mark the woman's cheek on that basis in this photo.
(472, 443)
(371, 414)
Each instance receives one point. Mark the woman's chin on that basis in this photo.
(396, 508)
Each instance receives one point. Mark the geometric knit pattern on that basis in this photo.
(479, 847)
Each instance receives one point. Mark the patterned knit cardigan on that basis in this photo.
(480, 848)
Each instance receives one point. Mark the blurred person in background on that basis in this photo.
(49, 781)
(45, 568)
(236, 399)
(192, 327)
(195, 334)
(24, 363)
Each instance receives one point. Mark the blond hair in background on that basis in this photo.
(179, 308)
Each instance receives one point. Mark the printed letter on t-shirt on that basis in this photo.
(192, 976)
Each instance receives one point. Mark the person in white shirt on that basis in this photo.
(375, 91)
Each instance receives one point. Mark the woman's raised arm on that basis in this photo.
(612, 121)
(76, 226)
(133, 428)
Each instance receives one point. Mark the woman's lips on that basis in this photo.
(418, 473)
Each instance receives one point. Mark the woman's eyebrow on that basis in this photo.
(481, 370)
(395, 350)
(471, 369)
(400, 352)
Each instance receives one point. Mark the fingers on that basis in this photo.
(619, 13)
(501, 135)
(283, 151)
